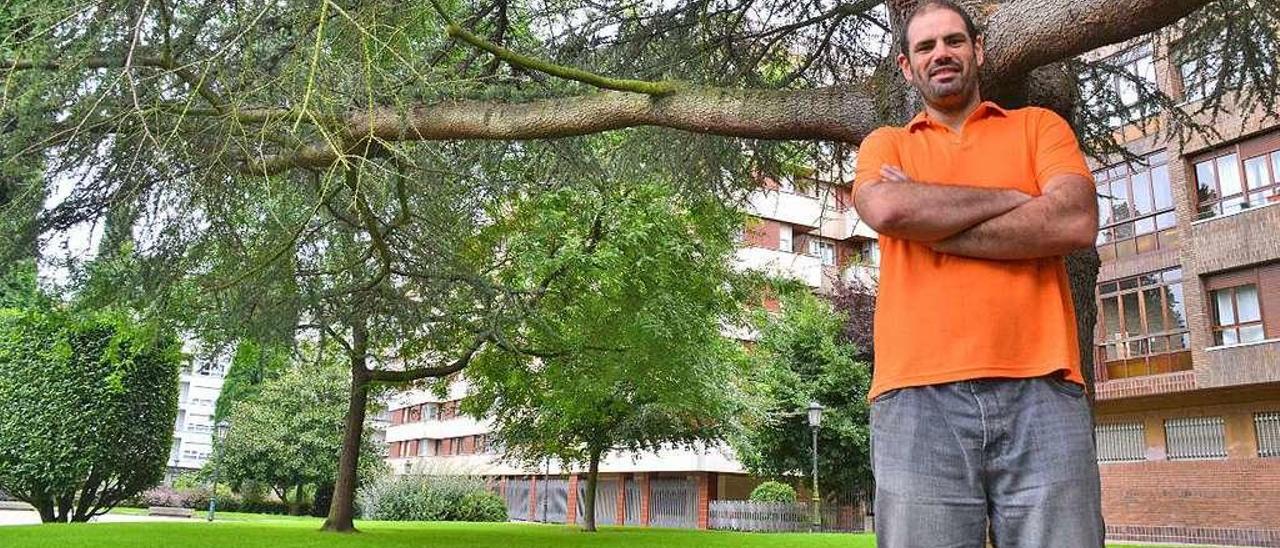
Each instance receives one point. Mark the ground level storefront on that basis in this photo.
(659, 499)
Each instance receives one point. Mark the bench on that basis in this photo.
(170, 512)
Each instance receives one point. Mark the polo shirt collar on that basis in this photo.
(985, 108)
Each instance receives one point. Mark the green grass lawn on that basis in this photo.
(252, 531)
(302, 532)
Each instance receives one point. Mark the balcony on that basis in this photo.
(437, 429)
(796, 209)
(855, 227)
(803, 268)
(711, 459)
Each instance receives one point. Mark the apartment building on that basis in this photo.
(200, 383)
(1187, 343)
(804, 231)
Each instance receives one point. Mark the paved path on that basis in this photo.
(30, 517)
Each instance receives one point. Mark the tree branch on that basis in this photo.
(657, 89)
(407, 375)
(1016, 43)
(838, 113)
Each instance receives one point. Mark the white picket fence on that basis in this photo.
(745, 515)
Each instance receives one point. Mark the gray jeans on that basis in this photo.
(1015, 455)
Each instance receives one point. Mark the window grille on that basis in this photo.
(1121, 442)
(1267, 426)
(1195, 438)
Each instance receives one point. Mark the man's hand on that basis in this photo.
(901, 207)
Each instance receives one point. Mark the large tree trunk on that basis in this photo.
(342, 509)
(295, 504)
(323, 500)
(593, 479)
(44, 505)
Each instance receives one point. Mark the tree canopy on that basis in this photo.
(802, 357)
(641, 305)
(288, 434)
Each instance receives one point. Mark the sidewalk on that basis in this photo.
(30, 517)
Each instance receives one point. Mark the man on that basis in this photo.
(979, 417)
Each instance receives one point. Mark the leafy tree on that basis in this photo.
(252, 364)
(855, 300)
(642, 307)
(325, 164)
(87, 406)
(801, 359)
(288, 434)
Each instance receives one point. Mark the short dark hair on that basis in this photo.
(930, 5)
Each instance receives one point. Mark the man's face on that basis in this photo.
(941, 60)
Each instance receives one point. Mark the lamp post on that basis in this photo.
(219, 434)
(815, 420)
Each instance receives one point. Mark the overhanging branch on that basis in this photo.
(408, 375)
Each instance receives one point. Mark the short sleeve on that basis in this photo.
(877, 149)
(1057, 151)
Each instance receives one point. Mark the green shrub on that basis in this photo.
(482, 506)
(87, 406)
(772, 491)
(430, 498)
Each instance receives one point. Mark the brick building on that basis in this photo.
(1187, 346)
(804, 231)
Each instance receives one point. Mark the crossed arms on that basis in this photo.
(1001, 224)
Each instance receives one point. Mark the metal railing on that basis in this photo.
(673, 503)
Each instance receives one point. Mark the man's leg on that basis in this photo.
(1043, 482)
(927, 456)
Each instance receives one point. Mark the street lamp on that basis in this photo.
(219, 434)
(815, 421)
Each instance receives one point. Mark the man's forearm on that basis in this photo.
(931, 212)
(1046, 226)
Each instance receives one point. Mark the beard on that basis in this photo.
(953, 93)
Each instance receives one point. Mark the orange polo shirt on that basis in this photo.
(944, 318)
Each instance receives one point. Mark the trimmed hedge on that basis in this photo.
(431, 498)
(87, 406)
(198, 499)
(772, 491)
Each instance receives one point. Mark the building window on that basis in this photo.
(191, 454)
(823, 250)
(869, 253)
(784, 238)
(431, 411)
(1199, 72)
(1121, 442)
(1221, 189)
(1120, 84)
(1195, 438)
(1237, 315)
(1135, 208)
(1267, 427)
(1142, 326)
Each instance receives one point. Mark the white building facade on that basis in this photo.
(199, 388)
